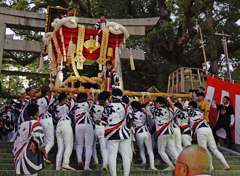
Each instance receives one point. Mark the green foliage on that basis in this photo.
(173, 43)
(236, 75)
(18, 83)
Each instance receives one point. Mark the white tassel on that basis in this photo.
(122, 46)
(119, 50)
(60, 67)
(62, 39)
(93, 91)
(50, 79)
(64, 55)
(117, 60)
(70, 48)
(132, 62)
(96, 41)
(100, 67)
(41, 63)
(50, 50)
(124, 40)
(61, 31)
(104, 68)
(78, 65)
(51, 62)
(51, 85)
(59, 79)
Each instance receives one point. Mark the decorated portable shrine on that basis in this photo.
(73, 44)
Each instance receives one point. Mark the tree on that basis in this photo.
(173, 43)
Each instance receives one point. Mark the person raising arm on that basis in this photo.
(225, 118)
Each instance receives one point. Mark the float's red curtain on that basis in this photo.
(73, 33)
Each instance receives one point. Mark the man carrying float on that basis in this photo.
(111, 77)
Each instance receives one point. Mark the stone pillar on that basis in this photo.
(2, 39)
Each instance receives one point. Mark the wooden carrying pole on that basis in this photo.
(129, 93)
(204, 55)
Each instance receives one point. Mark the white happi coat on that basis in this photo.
(28, 157)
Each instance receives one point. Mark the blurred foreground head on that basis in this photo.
(193, 160)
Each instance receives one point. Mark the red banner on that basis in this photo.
(223, 88)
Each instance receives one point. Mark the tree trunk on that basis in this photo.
(130, 9)
(214, 51)
(164, 14)
(214, 67)
(88, 8)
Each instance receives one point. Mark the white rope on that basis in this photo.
(117, 29)
(69, 22)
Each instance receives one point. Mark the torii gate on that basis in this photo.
(10, 18)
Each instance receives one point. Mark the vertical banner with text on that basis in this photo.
(223, 88)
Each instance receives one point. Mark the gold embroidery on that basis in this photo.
(91, 45)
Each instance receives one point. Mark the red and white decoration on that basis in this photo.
(224, 88)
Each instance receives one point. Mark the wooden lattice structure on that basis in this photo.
(186, 78)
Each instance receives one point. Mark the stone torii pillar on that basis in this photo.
(2, 40)
(137, 55)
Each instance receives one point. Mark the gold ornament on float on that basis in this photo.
(79, 53)
(84, 79)
(91, 45)
(104, 44)
(109, 53)
(117, 27)
(72, 78)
